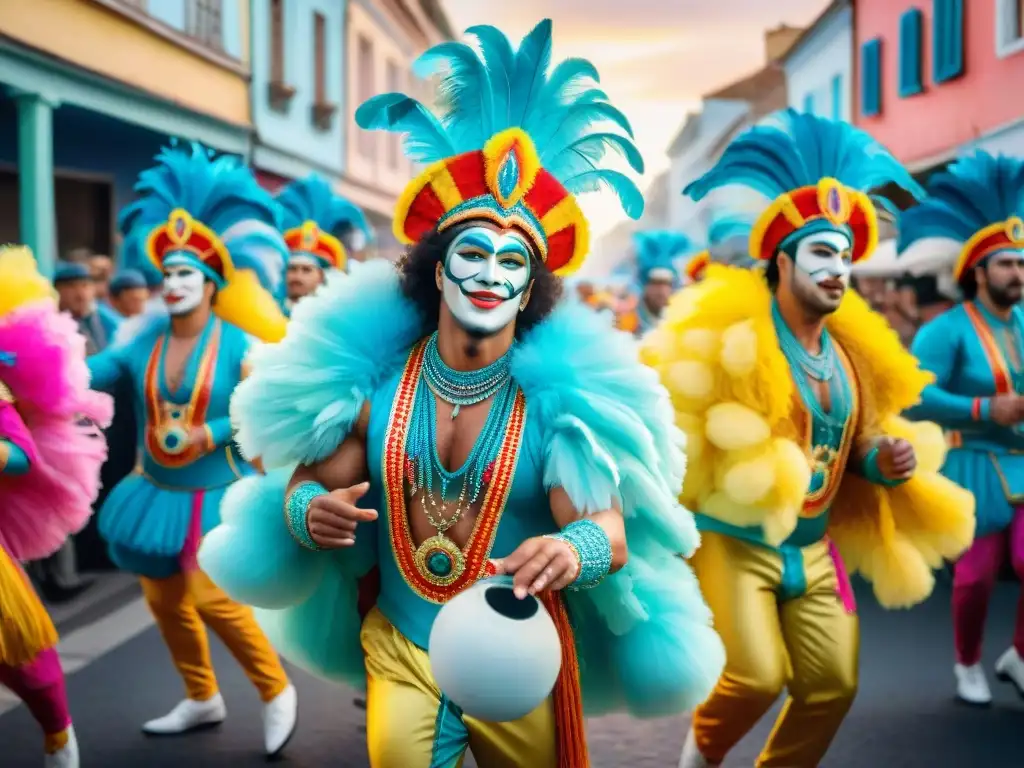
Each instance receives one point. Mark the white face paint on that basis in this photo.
(825, 256)
(485, 275)
(183, 289)
(823, 262)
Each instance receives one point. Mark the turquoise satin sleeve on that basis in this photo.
(937, 354)
(17, 460)
(220, 431)
(871, 472)
(105, 368)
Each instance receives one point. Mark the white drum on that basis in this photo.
(494, 655)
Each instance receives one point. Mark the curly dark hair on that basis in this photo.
(418, 269)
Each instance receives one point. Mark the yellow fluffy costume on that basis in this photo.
(748, 464)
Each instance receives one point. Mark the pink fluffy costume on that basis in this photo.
(51, 451)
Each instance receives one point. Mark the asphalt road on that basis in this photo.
(904, 716)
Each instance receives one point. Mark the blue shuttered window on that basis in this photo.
(809, 103)
(871, 78)
(948, 40)
(837, 97)
(910, 52)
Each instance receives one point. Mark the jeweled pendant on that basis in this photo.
(455, 411)
(440, 561)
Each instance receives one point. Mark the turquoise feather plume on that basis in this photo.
(221, 192)
(313, 199)
(792, 150)
(971, 194)
(659, 249)
(492, 87)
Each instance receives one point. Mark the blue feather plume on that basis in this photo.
(793, 149)
(659, 249)
(728, 226)
(489, 87)
(313, 199)
(972, 193)
(220, 192)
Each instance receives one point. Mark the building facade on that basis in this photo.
(819, 66)
(90, 90)
(383, 37)
(299, 70)
(937, 78)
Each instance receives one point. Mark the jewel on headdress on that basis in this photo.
(1015, 229)
(310, 235)
(834, 202)
(508, 174)
(179, 225)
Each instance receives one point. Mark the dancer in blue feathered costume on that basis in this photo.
(206, 226)
(971, 220)
(466, 356)
(316, 224)
(658, 253)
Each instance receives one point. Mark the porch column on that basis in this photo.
(38, 218)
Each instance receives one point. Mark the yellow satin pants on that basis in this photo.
(807, 643)
(181, 604)
(411, 724)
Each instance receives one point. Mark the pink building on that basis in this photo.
(938, 78)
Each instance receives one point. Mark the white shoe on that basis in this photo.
(188, 716)
(691, 757)
(280, 715)
(971, 685)
(1010, 669)
(66, 756)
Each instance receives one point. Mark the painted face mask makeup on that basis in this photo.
(183, 289)
(485, 275)
(823, 263)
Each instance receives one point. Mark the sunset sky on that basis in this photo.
(656, 57)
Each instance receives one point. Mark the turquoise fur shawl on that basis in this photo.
(644, 636)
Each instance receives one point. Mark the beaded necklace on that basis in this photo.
(819, 367)
(428, 475)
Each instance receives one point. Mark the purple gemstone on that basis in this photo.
(179, 227)
(835, 204)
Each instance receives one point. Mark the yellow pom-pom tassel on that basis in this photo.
(691, 379)
(899, 574)
(739, 349)
(747, 477)
(792, 472)
(735, 427)
(700, 343)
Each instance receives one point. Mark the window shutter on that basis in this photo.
(871, 78)
(910, 53)
(948, 42)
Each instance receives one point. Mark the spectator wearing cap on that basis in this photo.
(129, 292)
(101, 268)
(77, 293)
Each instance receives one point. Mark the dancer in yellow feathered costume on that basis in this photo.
(789, 389)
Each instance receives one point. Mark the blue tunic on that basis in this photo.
(527, 513)
(975, 356)
(147, 517)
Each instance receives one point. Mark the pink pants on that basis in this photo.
(974, 578)
(40, 684)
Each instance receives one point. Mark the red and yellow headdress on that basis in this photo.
(513, 146)
(816, 174)
(696, 266)
(314, 219)
(973, 210)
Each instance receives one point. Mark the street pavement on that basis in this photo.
(904, 717)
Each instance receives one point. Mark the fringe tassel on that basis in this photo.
(25, 627)
(572, 735)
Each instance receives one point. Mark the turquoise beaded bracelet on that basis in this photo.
(296, 505)
(593, 548)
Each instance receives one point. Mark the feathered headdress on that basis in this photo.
(657, 253)
(209, 213)
(973, 210)
(722, 227)
(513, 143)
(314, 219)
(814, 173)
